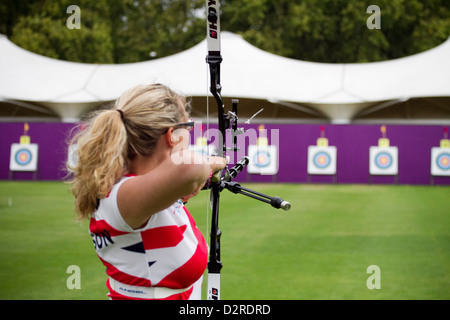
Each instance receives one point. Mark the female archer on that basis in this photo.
(127, 184)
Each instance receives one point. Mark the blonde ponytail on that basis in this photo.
(112, 137)
(101, 160)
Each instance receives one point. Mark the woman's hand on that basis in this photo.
(188, 197)
(217, 164)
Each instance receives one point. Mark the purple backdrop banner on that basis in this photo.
(414, 144)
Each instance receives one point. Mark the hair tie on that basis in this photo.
(121, 114)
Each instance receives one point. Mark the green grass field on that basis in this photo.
(319, 250)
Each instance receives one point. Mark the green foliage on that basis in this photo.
(51, 38)
(44, 31)
(111, 31)
(336, 31)
(122, 31)
(153, 29)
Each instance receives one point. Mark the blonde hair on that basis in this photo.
(112, 137)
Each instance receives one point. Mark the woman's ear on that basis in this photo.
(178, 137)
(169, 138)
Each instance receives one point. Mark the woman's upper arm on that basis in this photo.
(145, 195)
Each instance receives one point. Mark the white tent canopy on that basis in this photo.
(338, 90)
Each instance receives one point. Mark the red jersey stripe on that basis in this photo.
(194, 267)
(162, 237)
(99, 226)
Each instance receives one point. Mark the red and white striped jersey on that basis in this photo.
(169, 251)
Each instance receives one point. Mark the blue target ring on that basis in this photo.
(383, 160)
(261, 159)
(322, 160)
(23, 157)
(443, 161)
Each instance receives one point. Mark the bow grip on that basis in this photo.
(216, 176)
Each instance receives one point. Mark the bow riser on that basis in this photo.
(214, 59)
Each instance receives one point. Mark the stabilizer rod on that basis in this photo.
(275, 202)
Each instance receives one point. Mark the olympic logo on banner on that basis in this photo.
(261, 159)
(443, 161)
(23, 157)
(383, 160)
(322, 160)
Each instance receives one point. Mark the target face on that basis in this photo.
(383, 161)
(440, 161)
(263, 160)
(72, 156)
(443, 161)
(23, 157)
(322, 160)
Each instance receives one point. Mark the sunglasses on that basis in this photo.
(189, 126)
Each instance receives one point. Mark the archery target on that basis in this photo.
(383, 161)
(72, 156)
(24, 157)
(263, 160)
(322, 160)
(443, 161)
(440, 161)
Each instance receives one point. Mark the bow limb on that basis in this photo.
(214, 60)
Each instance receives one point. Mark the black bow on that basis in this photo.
(223, 180)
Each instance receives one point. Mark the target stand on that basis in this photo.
(263, 158)
(24, 158)
(383, 159)
(322, 160)
(383, 162)
(440, 160)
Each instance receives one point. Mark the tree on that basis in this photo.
(10, 11)
(336, 31)
(121, 31)
(117, 31)
(44, 31)
(158, 28)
